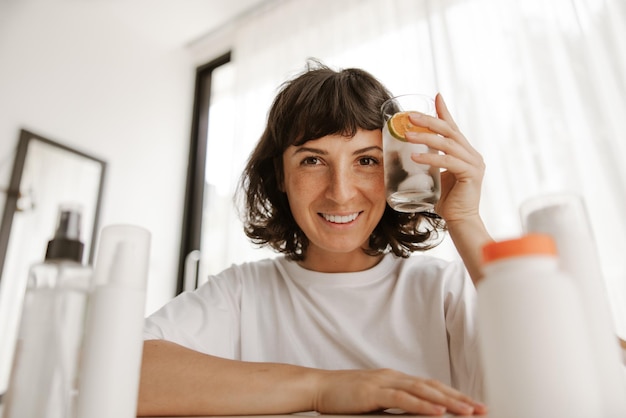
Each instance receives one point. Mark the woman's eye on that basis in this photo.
(368, 161)
(310, 161)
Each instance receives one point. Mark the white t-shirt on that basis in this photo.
(414, 315)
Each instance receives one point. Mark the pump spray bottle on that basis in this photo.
(43, 379)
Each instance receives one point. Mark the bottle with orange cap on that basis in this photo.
(535, 349)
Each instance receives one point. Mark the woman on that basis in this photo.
(345, 321)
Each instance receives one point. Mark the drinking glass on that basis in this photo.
(409, 186)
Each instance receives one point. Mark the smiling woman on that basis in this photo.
(288, 334)
(521, 78)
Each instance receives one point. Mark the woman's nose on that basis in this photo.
(342, 185)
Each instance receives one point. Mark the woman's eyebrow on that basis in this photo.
(367, 149)
(311, 150)
(323, 152)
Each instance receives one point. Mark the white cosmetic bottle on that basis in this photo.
(537, 358)
(109, 376)
(45, 366)
(564, 217)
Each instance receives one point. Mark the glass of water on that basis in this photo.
(409, 186)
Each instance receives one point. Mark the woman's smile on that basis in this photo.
(340, 219)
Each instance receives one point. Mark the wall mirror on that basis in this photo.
(46, 174)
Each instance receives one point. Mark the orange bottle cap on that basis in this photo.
(531, 244)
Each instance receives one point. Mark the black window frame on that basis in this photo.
(196, 169)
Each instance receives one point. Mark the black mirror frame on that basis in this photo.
(13, 192)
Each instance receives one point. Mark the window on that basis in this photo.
(210, 242)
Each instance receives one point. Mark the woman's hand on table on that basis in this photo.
(360, 391)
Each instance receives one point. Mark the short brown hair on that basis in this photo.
(320, 102)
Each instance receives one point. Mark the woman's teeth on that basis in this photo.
(336, 219)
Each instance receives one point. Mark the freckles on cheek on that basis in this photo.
(378, 190)
(378, 184)
(296, 183)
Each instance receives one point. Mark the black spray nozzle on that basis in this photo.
(66, 244)
(68, 226)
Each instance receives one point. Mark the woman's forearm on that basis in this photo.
(179, 381)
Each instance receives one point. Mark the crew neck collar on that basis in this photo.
(299, 273)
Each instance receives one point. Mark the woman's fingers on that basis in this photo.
(454, 158)
(443, 112)
(444, 139)
(444, 126)
(456, 153)
(446, 145)
(434, 124)
(420, 396)
(440, 394)
(367, 391)
(396, 399)
(461, 399)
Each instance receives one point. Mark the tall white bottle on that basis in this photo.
(537, 358)
(45, 366)
(109, 376)
(564, 217)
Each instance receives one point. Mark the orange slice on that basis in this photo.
(399, 125)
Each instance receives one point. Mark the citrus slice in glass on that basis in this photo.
(399, 124)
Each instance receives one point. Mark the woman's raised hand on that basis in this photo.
(461, 182)
(461, 179)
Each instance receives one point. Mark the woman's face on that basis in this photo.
(335, 187)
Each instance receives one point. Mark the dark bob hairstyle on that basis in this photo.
(320, 102)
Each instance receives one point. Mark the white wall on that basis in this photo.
(73, 74)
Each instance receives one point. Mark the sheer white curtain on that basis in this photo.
(538, 87)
